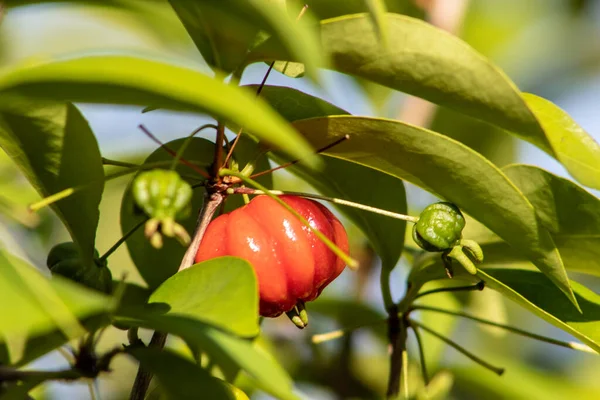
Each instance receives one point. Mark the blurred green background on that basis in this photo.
(548, 47)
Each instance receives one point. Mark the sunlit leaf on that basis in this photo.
(130, 80)
(222, 292)
(427, 62)
(41, 313)
(56, 149)
(572, 146)
(448, 169)
(221, 347)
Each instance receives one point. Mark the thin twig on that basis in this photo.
(241, 130)
(569, 345)
(171, 152)
(321, 150)
(459, 348)
(478, 286)
(424, 372)
(123, 239)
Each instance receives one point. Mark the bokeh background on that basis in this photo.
(548, 47)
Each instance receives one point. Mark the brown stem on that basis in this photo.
(218, 150)
(210, 205)
(143, 377)
(397, 337)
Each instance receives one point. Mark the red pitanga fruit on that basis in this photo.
(291, 263)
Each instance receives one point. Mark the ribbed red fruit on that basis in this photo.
(290, 261)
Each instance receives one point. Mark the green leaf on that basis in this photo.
(571, 215)
(39, 313)
(181, 378)
(339, 178)
(536, 293)
(430, 63)
(448, 169)
(233, 25)
(129, 80)
(222, 292)
(572, 146)
(156, 265)
(222, 347)
(56, 150)
(222, 38)
(289, 68)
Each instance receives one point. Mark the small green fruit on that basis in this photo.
(439, 227)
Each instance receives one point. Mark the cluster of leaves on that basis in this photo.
(530, 216)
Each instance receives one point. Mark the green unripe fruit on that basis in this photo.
(62, 251)
(439, 227)
(64, 260)
(162, 194)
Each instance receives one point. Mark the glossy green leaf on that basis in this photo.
(156, 265)
(572, 146)
(222, 347)
(536, 293)
(339, 178)
(430, 63)
(56, 149)
(221, 292)
(570, 213)
(129, 80)
(448, 169)
(182, 379)
(40, 313)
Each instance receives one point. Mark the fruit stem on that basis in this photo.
(122, 240)
(409, 218)
(352, 263)
(209, 207)
(569, 345)
(459, 348)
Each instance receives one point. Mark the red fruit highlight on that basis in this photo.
(291, 263)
